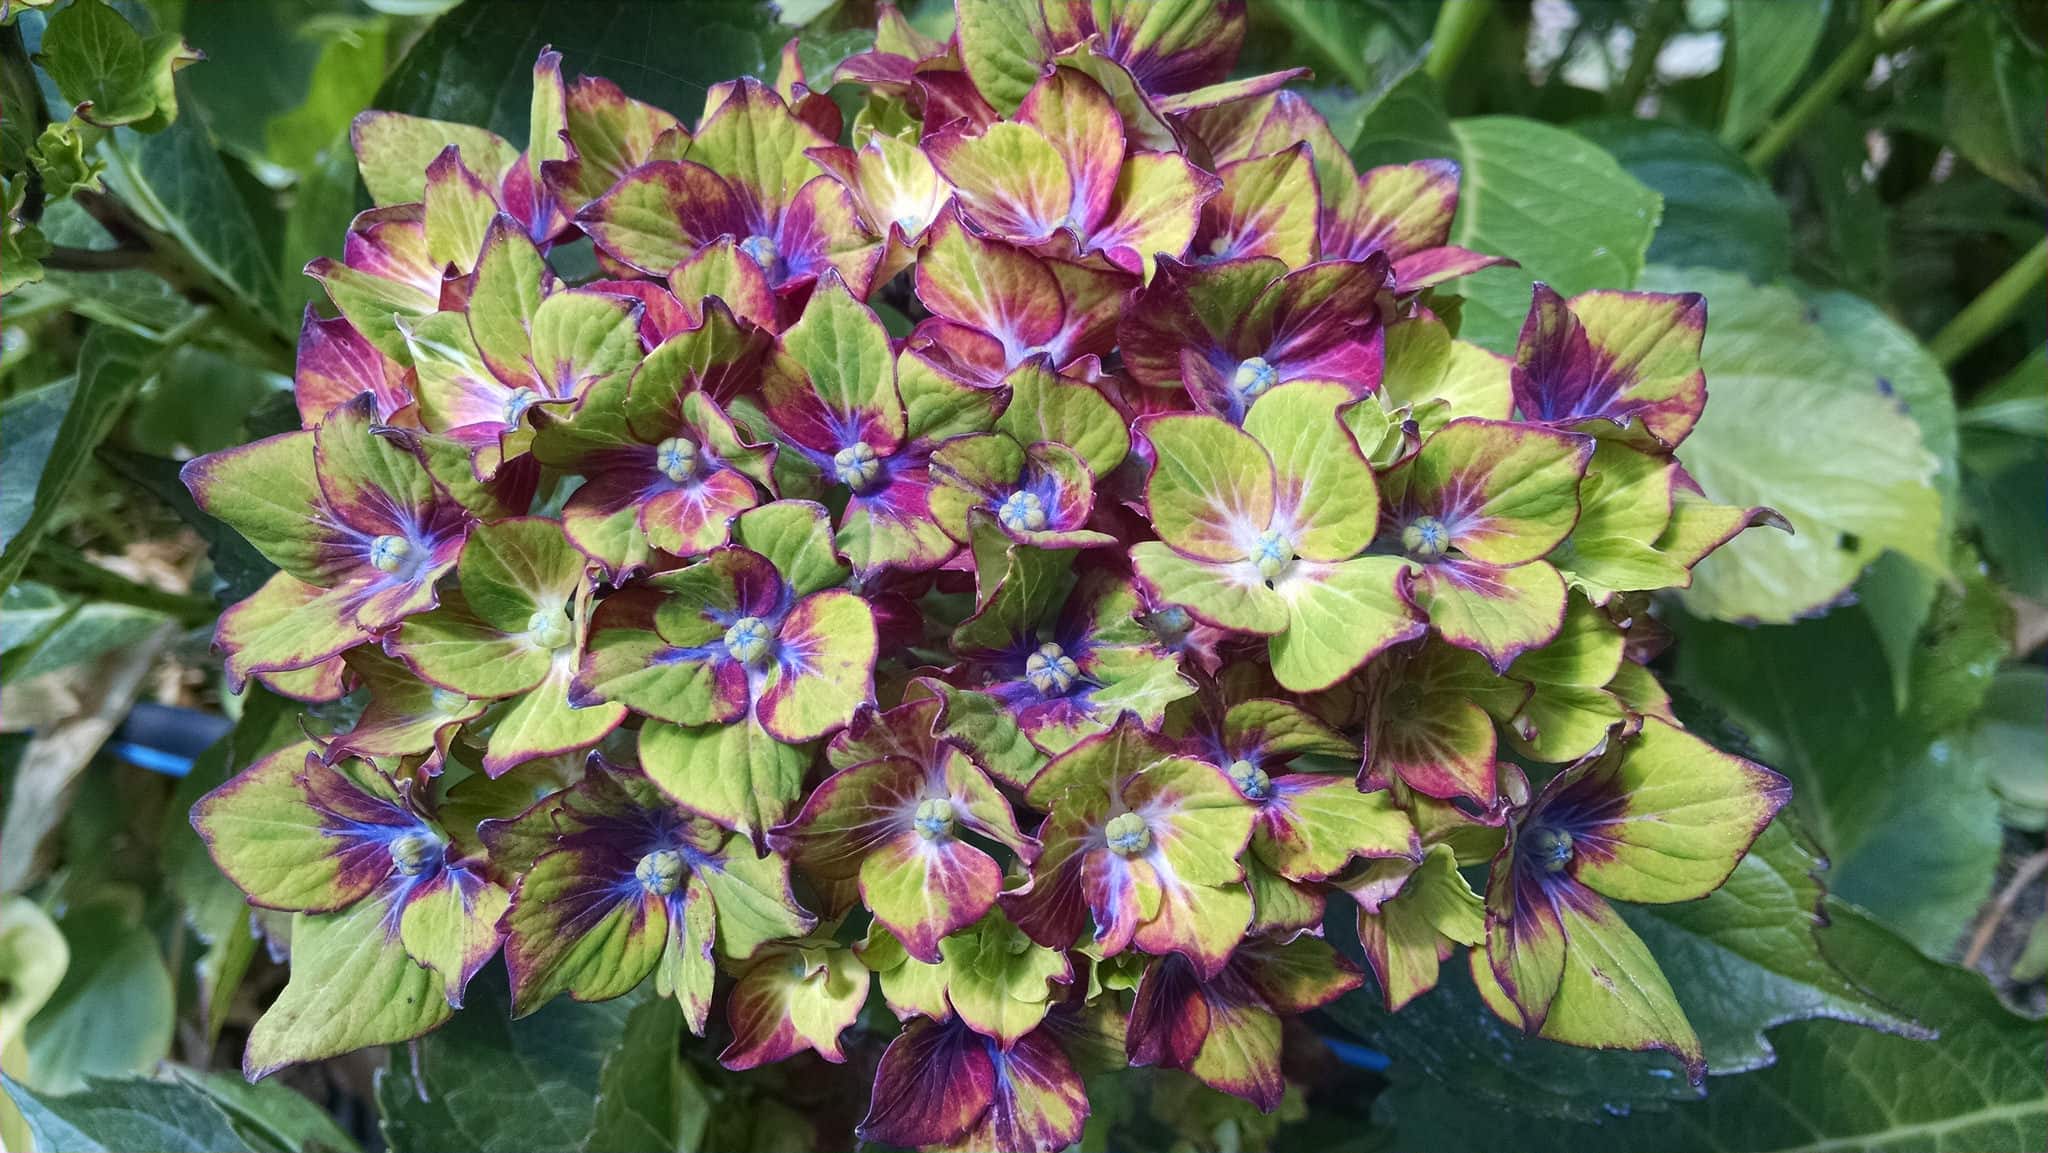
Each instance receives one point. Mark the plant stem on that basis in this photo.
(1663, 19)
(1992, 308)
(73, 570)
(1457, 23)
(67, 259)
(1897, 24)
(2007, 897)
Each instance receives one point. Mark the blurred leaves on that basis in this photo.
(1768, 46)
(1717, 213)
(111, 72)
(112, 1016)
(109, 1116)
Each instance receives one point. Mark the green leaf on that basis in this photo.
(111, 368)
(1404, 121)
(29, 422)
(1745, 959)
(1836, 1086)
(647, 1098)
(112, 1014)
(119, 1115)
(33, 957)
(270, 1114)
(1717, 213)
(178, 183)
(1551, 200)
(1993, 90)
(2010, 738)
(114, 75)
(1768, 46)
(489, 1083)
(476, 64)
(1910, 825)
(1864, 337)
(1797, 424)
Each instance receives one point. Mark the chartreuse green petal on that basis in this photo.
(614, 945)
(1225, 595)
(1338, 617)
(1310, 826)
(796, 537)
(458, 210)
(1506, 493)
(734, 774)
(1410, 919)
(1278, 904)
(753, 140)
(1610, 993)
(832, 370)
(1687, 812)
(686, 970)
(1423, 363)
(998, 980)
(266, 836)
(792, 998)
(1198, 825)
(1212, 490)
(1430, 723)
(450, 925)
(1268, 206)
(1625, 504)
(352, 986)
(511, 281)
(912, 988)
(287, 624)
(1324, 497)
(1496, 612)
(393, 151)
(1047, 407)
(269, 492)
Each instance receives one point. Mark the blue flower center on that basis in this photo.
(676, 457)
(659, 872)
(388, 553)
(1050, 670)
(1022, 512)
(412, 852)
(1253, 377)
(1425, 538)
(761, 250)
(934, 819)
(1552, 848)
(548, 628)
(1127, 835)
(1271, 554)
(750, 640)
(856, 465)
(1250, 779)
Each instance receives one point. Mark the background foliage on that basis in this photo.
(1857, 187)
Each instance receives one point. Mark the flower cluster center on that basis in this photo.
(413, 851)
(1250, 779)
(659, 872)
(1050, 670)
(1128, 834)
(1022, 511)
(934, 818)
(856, 465)
(1425, 537)
(1272, 554)
(549, 628)
(750, 640)
(676, 457)
(388, 552)
(1253, 377)
(1552, 848)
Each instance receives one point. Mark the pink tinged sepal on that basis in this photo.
(1225, 1030)
(942, 1085)
(336, 365)
(793, 998)
(406, 717)
(1412, 918)
(1403, 211)
(315, 684)
(1614, 364)
(1267, 206)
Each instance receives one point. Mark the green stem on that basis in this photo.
(1457, 24)
(1896, 25)
(1663, 20)
(1992, 308)
(74, 571)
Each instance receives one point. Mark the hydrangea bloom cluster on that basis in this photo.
(1043, 671)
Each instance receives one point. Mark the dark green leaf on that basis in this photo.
(132, 299)
(1836, 1087)
(85, 634)
(1910, 825)
(647, 1098)
(475, 64)
(112, 1014)
(114, 1116)
(488, 1083)
(111, 367)
(181, 185)
(199, 403)
(1768, 46)
(1745, 959)
(1969, 632)
(111, 72)
(28, 431)
(2010, 737)
(1994, 92)
(1717, 213)
(1855, 234)
(270, 1114)
(1449, 1036)
(1404, 120)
